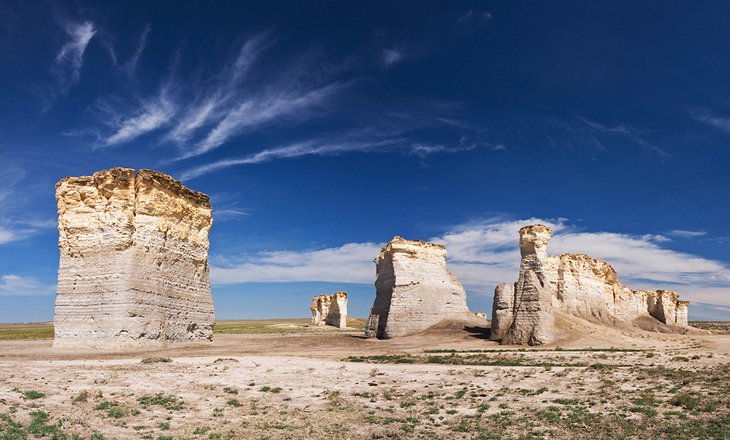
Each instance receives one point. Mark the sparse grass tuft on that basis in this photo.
(33, 395)
(156, 360)
(113, 409)
(685, 400)
(268, 389)
(81, 397)
(172, 403)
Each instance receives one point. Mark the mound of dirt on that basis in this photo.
(455, 330)
(652, 325)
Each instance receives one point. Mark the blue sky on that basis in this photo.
(322, 129)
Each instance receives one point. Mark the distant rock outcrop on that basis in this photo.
(134, 261)
(574, 284)
(330, 310)
(414, 290)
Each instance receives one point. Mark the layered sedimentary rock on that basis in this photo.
(682, 313)
(134, 260)
(502, 310)
(414, 290)
(330, 310)
(578, 285)
(533, 320)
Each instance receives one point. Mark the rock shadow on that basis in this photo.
(478, 332)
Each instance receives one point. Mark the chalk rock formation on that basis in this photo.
(330, 310)
(414, 290)
(134, 261)
(682, 313)
(578, 285)
(533, 322)
(502, 310)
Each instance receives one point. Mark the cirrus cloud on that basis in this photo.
(16, 285)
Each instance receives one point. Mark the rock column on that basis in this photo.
(414, 290)
(134, 261)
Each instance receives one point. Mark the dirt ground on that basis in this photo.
(446, 383)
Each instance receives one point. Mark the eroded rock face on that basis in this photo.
(578, 285)
(502, 310)
(682, 312)
(414, 290)
(134, 261)
(330, 310)
(533, 321)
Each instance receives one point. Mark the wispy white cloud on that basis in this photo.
(485, 253)
(107, 43)
(195, 118)
(131, 65)
(370, 140)
(388, 57)
(307, 148)
(13, 230)
(390, 133)
(681, 233)
(228, 213)
(249, 54)
(14, 224)
(625, 132)
(9, 177)
(67, 65)
(226, 206)
(216, 103)
(7, 235)
(707, 117)
(471, 16)
(255, 112)
(16, 285)
(205, 112)
(152, 115)
(210, 111)
(424, 150)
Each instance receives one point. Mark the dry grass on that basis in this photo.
(276, 326)
(29, 331)
(722, 327)
(44, 330)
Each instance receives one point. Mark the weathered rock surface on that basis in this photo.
(533, 322)
(134, 261)
(330, 310)
(682, 313)
(502, 310)
(578, 285)
(414, 290)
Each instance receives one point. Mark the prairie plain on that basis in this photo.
(280, 379)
